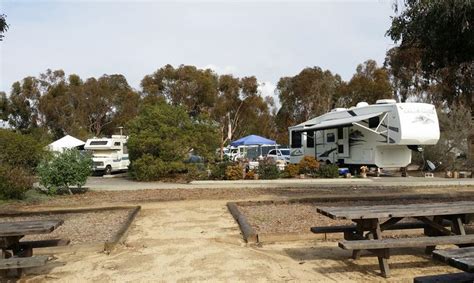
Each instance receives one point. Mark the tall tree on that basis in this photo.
(23, 106)
(3, 106)
(443, 33)
(304, 96)
(368, 84)
(3, 25)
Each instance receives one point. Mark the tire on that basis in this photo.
(108, 170)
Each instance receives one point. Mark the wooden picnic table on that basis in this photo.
(462, 258)
(372, 220)
(17, 255)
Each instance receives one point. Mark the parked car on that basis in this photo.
(280, 154)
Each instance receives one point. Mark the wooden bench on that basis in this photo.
(23, 262)
(406, 242)
(353, 228)
(45, 243)
(462, 258)
(461, 277)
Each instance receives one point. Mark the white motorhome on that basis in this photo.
(109, 154)
(381, 134)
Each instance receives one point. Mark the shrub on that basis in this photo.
(196, 171)
(250, 175)
(308, 165)
(14, 182)
(267, 170)
(234, 172)
(292, 170)
(218, 170)
(150, 168)
(19, 150)
(328, 171)
(61, 171)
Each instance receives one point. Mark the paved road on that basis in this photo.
(118, 183)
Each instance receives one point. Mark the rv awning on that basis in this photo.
(338, 123)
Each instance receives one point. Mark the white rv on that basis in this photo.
(381, 135)
(109, 154)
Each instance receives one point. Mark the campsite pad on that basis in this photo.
(295, 217)
(80, 227)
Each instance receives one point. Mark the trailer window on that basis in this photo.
(295, 140)
(117, 144)
(98, 143)
(310, 139)
(374, 122)
(330, 137)
(340, 133)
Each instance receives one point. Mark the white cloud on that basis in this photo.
(268, 89)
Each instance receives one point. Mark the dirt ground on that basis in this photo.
(196, 239)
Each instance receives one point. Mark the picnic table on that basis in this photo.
(18, 255)
(371, 220)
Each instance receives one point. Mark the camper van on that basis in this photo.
(380, 135)
(109, 154)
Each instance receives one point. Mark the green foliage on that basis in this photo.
(163, 135)
(268, 170)
(59, 172)
(328, 171)
(308, 165)
(196, 172)
(218, 170)
(20, 150)
(3, 26)
(14, 182)
(292, 170)
(234, 172)
(151, 168)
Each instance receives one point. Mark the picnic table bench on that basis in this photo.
(15, 254)
(371, 220)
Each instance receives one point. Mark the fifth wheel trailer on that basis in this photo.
(382, 134)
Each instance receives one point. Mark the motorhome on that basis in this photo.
(108, 154)
(380, 135)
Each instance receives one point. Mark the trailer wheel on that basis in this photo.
(108, 170)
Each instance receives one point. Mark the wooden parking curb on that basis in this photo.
(250, 236)
(123, 231)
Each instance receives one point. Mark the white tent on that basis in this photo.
(65, 142)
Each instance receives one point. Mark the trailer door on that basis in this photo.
(342, 143)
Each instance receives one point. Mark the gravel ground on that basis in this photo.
(88, 227)
(299, 217)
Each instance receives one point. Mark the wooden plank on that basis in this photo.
(406, 242)
(403, 210)
(45, 243)
(444, 255)
(351, 228)
(461, 277)
(23, 262)
(21, 228)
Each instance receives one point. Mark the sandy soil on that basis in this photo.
(199, 240)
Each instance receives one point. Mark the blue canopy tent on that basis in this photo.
(252, 140)
(253, 145)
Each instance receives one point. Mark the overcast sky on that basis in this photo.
(266, 39)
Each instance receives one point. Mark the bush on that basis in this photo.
(328, 171)
(308, 165)
(218, 170)
(20, 150)
(250, 175)
(14, 182)
(196, 171)
(267, 170)
(234, 172)
(292, 170)
(150, 168)
(59, 172)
